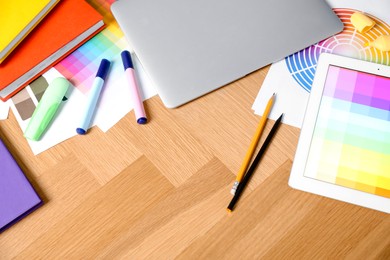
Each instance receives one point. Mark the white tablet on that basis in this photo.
(344, 146)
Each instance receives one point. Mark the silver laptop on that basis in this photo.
(192, 47)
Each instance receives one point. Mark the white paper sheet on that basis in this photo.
(4, 109)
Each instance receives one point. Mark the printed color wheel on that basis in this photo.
(302, 65)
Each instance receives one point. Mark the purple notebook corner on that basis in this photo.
(17, 197)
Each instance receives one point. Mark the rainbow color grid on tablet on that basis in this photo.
(350, 42)
(351, 141)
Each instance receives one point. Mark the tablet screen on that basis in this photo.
(351, 141)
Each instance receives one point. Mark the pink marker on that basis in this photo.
(139, 110)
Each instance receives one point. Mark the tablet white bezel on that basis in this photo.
(297, 179)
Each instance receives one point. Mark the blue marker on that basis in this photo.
(93, 97)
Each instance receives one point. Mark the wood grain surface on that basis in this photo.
(160, 191)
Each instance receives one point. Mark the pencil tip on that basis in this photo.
(229, 210)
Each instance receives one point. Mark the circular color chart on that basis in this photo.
(302, 65)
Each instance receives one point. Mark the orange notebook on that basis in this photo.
(67, 26)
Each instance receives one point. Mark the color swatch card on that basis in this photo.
(17, 197)
(351, 140)
(293, 76)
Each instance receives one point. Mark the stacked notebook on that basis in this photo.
(67, 26)
(17, 197)
(18, 19)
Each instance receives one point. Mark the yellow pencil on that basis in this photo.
(253, 144)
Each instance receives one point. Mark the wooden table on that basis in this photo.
(161, 191)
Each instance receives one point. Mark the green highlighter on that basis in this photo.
(47, 107)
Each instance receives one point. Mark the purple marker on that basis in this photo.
(138, 105)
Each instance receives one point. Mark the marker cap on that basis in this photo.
(103, 69)
(126, 59)
(46, 108)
